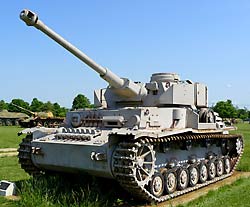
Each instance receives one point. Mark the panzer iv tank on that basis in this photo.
(159, 140)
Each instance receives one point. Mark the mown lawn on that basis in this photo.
(89, 191)
(8, 136)
(244, 164)
(11, 170)
(6, 203)
(235, 195)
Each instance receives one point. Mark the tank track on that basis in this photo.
(124, 162)
(24, 155)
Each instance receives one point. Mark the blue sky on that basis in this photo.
(204, 41)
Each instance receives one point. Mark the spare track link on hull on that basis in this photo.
(124, 163)
(24, 155)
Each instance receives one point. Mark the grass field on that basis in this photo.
(244, 164)
(230, 195)
(89, 191)
(8, 136)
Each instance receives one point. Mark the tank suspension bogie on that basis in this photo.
(135, 170)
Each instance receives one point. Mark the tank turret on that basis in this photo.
(163, 89)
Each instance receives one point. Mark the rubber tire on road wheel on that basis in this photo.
(211, 169)
(182, 178)
(170, 179)
(156, 185)
(227, 165)
(203, 173)
(193, 175)
(219, 167)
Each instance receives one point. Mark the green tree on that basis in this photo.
(48, 106)
(18, 102)
(225, 109)
(242, 113)
(3, 105)
(81, 101)
(58, 110)
(36, 105)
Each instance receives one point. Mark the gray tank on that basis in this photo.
(157, 139)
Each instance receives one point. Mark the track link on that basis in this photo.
(124, 162)
(24, 155)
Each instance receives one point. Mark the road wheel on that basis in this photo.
(203, 173)
(170, 178)
(227, 165)
(156, 185)
(219, 167)
(211, 170)
(182, 178)
(193, 175)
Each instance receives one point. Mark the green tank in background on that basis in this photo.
(11, 118)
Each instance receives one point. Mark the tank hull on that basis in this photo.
(11, 118)
(78, 158)
(134, 159)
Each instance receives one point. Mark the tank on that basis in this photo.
(158, 140)
(11, 118)
(45, 119)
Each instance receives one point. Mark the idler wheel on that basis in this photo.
(203, 172)
(170, 178)
(156, 185)
(227, 165)
(182, 178)
(193, 175)
(219, 167)
(211, 170)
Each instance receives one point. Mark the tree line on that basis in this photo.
(226, 109)
(36, 105)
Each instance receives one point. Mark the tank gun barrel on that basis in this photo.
(31, 19)
(24, 109)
